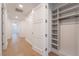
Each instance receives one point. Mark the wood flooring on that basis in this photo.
(52, 54)
(20, 48)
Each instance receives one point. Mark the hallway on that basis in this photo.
(23, 49)
(49, 30)
(25, 21)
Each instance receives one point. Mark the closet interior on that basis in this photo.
(64, 22)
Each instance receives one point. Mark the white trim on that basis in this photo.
(0, 31)
(62, 54)
(28, 41)
(5, 46)
(58, 52)
(0, 53)
(37, 50)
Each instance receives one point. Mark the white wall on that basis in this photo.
(33, 28)
(22, 28)
(77, 35)
(4, 28)
(36, 29)
(7, 28)
(68, 40)
(29, 28)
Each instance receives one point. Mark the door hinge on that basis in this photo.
(45, 49)
(2, 44)
(46, 21)
(45, 35)
(2, 33)
(45, 6)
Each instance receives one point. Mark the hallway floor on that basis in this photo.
(23, 48)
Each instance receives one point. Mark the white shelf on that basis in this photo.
(69, 5)
(61, 13)
(70, 15)
(60, 6)
(54, 14)
(69, 9)
(55, 19)
(54, 39)
(54, 34)
(54, 44)
(54, 24)
(55, 29)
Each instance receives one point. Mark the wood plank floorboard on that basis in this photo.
(52, 54)
(20, 48)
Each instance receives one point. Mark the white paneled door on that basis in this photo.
(39, 30)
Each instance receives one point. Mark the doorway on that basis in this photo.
(14, 34)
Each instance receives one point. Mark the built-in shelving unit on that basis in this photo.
(54, 42)
(62, 12)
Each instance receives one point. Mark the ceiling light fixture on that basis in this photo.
(20, 5)
(16, 17)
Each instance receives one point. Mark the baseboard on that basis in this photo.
(5, 46)
(8, 42)
(37, 50)
(58, 52)
(28, 41)
(62, 53)
(0, 53)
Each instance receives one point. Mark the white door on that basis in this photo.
(39, 30)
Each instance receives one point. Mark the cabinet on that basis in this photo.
(66, 11)
(55, 29)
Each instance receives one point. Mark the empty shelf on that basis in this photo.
(54, 46)
(55, 42)
(60, 6)
(70, 15)
(69, 9)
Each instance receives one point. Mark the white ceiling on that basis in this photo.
(12, 13)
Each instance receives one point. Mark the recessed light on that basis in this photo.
(20, 5)
(16, 17)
